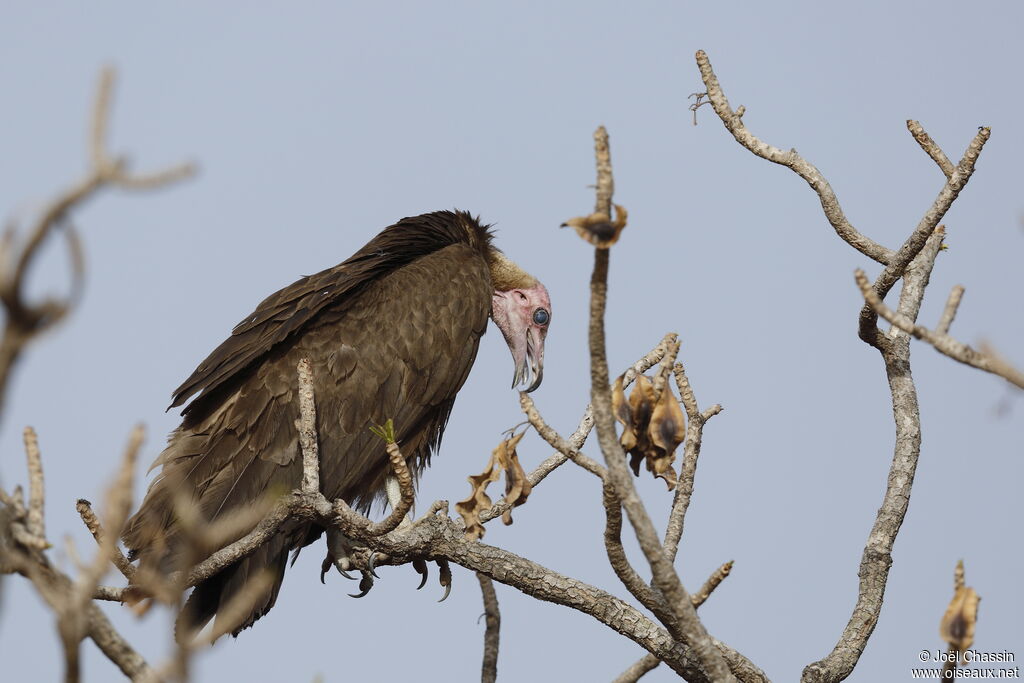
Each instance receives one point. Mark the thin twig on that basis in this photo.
(92, 523)
(691, 453)
(930, 147)
(949, 311)
(556, 440)
(713, 582)
(642, 666)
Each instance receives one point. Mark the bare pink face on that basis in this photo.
(523, 316)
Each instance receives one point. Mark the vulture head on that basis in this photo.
(521, 309)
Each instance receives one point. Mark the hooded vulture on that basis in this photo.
(391, 332)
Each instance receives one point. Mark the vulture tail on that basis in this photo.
(237, 596)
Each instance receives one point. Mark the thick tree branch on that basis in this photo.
(877, 557)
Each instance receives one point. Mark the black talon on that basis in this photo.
(421, 568)
(365, 584)
(371, 563)
(446, 578)
(325, 566)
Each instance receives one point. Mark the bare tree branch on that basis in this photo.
(578, 437)
(930, 148)
(556, 440)
(665, 578)
(943, 343)
(492, 616)
(949, 312)
(71, 622)
(877, 557)
(913, 262)
(691, 452)
(649, 662)
(829, 202)
(21, 552)
(92, 523)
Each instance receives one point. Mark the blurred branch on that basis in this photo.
(24, 320)
(21, 551)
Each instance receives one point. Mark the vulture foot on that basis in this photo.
(340, 555)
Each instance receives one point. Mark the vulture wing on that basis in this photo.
(390, 333)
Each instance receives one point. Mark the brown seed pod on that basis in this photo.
(598, 228)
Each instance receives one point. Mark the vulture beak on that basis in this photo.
(523, 316)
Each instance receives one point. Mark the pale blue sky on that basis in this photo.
(317, 125)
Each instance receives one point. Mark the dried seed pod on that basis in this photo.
(517, 487)
(635, 440)
(957, 625)
(478, 500)
(624, 415)
(666, 431)
(598, 228)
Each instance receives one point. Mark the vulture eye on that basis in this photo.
(541, 316)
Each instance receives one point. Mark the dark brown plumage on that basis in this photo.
(391, 332)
